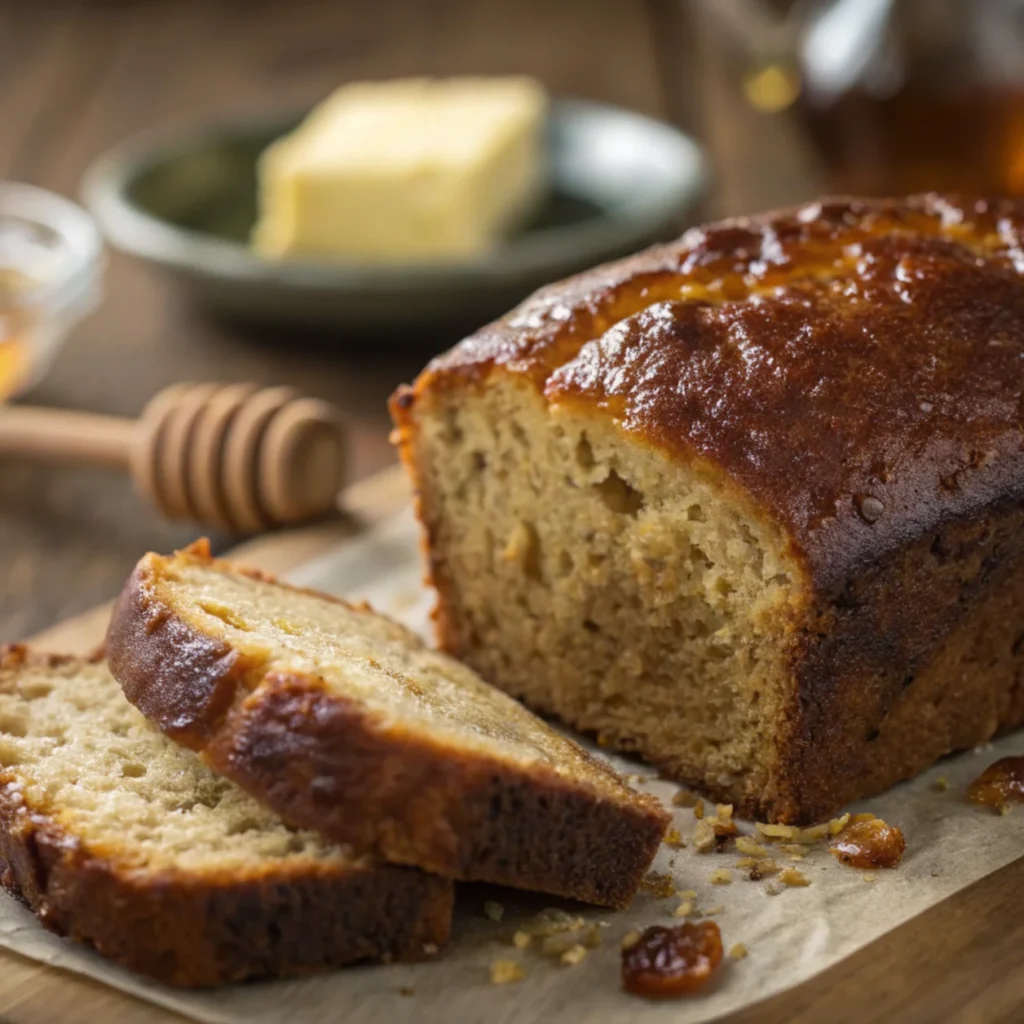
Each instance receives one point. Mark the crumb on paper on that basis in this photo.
(630, 939)
(636, 780)
(430, 949)
(720, 876)
(718, 908)
(686, 894)
(406, 991)
(659, 884)
(751, 847)
(723, 812)
(698, 809)
(684, 798)
(673, 838)
(573, 956)
(771, 889)
(505, 971)
(521, 939)
(738, 951)
(836, 825)
(685, 909)
(794, 878)
(941, 784)
(869, 876)
(761, 869)
(793, 850)
(493, 911)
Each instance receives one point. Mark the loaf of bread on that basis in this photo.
(119, 838)
(748, 504)
(343, 721)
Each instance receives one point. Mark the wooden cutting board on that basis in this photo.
(959, 961)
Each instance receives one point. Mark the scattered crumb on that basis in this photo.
(738, 951)
(723, 812)
(746, 862)
(636, 780)
(686, 894)
(836, 825)
(771, 889)
(720, 876)
(521, 940)
(630, 939)
(673, 838)
(685, 909)
(552, 921)
(684, 798)
(751, 847)
(493, 911)
(762, 869)
(698, 809)
(573, 956)
(505, 971)
(556, 945)
(704, 837)
(869, 876)
(775, 831)
(793, 877)
(794, 850)
(430, 949)
(659, 884)
(718, 908)
(405, 991)
(941, 784)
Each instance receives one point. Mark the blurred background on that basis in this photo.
(784, 100)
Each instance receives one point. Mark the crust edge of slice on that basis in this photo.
(197, 930)
(323, 762)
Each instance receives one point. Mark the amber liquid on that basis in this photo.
(922, 139)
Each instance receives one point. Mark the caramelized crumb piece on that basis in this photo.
(863, 816)
(505, 971)
(669, 962)
(869, 844)
(1000, 785)
(793, 877)
(738, 951)
(684, 798)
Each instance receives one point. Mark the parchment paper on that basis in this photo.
(790, 936)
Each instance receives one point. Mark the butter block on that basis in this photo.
(411, 169)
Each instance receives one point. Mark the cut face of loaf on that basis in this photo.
(119, 838)
(342, 720)
(748, 504)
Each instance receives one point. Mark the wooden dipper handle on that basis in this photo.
(230, 456)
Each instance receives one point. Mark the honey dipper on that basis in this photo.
(229, 456)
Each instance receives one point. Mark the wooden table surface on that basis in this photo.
(76, 78)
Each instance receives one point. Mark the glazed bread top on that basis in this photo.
(855, 366)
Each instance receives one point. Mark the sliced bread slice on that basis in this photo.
(119, 838)
(344, 721)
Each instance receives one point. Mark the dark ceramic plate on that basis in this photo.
(187, 203)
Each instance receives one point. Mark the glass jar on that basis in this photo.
(51, 262)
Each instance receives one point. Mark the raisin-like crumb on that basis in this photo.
(869, 843)
(1000, 785)
(669, 962)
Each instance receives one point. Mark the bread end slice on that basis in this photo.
(341, 720)
(119, 839)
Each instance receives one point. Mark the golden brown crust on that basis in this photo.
(853, 364)
(196, 930)
(856, 367)
(325, 763)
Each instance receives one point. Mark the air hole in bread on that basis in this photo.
(584, 454)
(619, 496)
(133, 770)
(13, 724)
